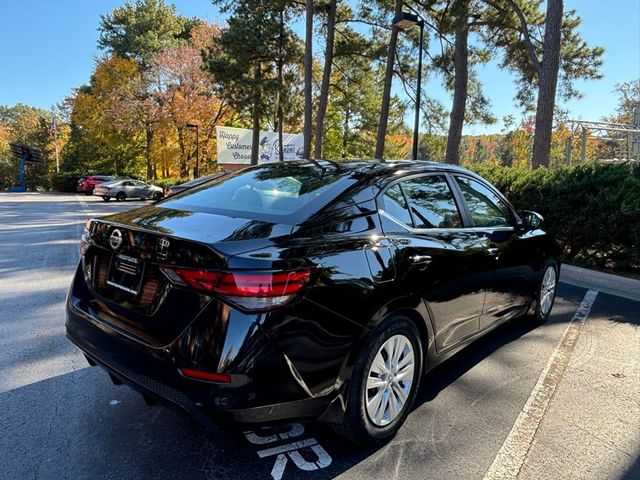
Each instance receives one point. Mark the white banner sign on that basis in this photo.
(234, 146)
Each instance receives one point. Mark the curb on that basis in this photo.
(604, 282)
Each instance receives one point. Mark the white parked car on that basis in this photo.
(123, 189)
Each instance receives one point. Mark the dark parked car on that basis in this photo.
(307, 290)
(87, 183)
(127, 188)
(181, 187)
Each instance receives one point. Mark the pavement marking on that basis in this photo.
(515, 448)
(85, 206)
(291, 451)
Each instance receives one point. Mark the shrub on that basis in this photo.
(593, 210)
(65, 181)
(165, 183)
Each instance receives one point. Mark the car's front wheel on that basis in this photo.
(384, 383)
(157, 196)
(105, 198)
(121, 196)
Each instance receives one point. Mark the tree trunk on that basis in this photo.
(184, 170)
(461, 83)
(386, 91)
(548, 81)
(308, 64)
(255, 137)
(280, 90)
(326, 77)
(150, 170)
(345, 133)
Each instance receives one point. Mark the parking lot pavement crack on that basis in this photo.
(609, 443)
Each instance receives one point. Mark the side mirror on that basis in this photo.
(531, 219)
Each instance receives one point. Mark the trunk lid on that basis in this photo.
(124, 266)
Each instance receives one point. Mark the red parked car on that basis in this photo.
(87, 183)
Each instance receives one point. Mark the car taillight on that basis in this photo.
(248, 290)
(86, 235)
(207, 376)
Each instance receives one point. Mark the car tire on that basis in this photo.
(88, 193)
(121, 196)
(105, 198)
(546, 293)
(157, 196)
(361, 423)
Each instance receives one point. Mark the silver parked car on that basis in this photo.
(123, 189)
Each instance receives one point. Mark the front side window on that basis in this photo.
(395, 205)
(487, 209)
(431, 202)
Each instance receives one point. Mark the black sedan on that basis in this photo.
(307, 290)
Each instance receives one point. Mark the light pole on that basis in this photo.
(196, 170)
(403, 20)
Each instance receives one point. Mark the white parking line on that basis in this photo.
(515, 448)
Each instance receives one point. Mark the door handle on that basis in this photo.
(420, 259)
(493, 251)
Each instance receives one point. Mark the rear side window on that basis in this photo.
(431, 202)
(395, 205)
(487, 209)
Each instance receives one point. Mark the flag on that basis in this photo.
(53, 128)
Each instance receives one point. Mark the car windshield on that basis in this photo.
(283, 193)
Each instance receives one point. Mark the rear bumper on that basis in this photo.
(175, 399)
(262, 388)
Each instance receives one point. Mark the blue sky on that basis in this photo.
(49, 47)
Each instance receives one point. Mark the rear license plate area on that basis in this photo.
(125, 273)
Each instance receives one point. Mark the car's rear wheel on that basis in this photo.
(105, 198)
(546, 292)
(88, 192)
(121, 196)
(384, 383)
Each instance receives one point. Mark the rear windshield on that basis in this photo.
(282, 193)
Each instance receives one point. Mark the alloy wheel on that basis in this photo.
(389, 380)
(547, 290)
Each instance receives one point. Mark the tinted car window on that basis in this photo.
(265, 193)
(487, 209)
(395, 205)
(431, 202)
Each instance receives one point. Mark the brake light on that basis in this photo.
(271, 284)
(86, 235)
(208, 376)
(199, 279)
(248, 290)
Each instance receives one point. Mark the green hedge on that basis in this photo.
(65, 181)
(594, 211)
(165, 183)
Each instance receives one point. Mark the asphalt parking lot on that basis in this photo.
(565, 395)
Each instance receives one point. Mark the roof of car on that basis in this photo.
(374, 167)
